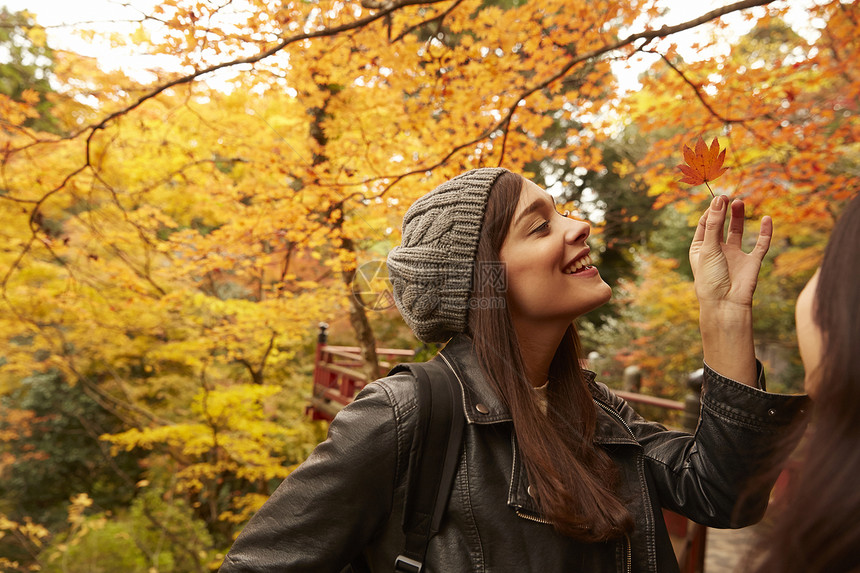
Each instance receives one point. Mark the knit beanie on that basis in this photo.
(431, 271)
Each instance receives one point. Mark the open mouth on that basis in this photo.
(578, 265)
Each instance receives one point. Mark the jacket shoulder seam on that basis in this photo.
(400, 413)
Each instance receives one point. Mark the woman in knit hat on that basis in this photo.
(555, 473)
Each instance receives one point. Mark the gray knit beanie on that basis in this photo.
(431, 271)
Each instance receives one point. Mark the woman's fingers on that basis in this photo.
(736, 224)
(714, 223)
(708, 236)
(765, 233)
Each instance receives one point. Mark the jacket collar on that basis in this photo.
(480, 403)
(482, 406)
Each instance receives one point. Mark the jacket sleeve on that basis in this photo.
(717, 476)
(327, 510)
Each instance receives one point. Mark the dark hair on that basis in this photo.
(815, 527)
(573, 481)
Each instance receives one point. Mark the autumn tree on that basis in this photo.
(785, 109)
(170, 255)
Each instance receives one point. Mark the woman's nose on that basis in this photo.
(576, 231)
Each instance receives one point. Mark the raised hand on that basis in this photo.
(723, 272)
(725, 279)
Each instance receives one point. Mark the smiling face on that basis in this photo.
(550, 278)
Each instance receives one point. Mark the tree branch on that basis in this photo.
(326, 32)
(743, 122)
(698, 92)
(505, 121)
(439, 18)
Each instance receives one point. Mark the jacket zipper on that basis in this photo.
(531, 517)
(615, 415)
(629, 550)
(628, 545)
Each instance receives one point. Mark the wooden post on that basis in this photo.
(692, 401)
(322, 339)
(319, 376)
(632, 381)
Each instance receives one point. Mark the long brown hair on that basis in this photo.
(816, 529)
(572, 480)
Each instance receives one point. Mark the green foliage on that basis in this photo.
(106, 547)
(235, 442)
(671, 236)
(49, 436)
(27, 66)
(156, 534)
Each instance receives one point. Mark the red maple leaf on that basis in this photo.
(703, 164)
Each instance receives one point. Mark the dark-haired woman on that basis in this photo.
(816, 527)
(556, 473)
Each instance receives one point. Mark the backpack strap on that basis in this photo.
(432, 459)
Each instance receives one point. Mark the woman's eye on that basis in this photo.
(543, 227)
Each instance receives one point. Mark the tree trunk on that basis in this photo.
(357, 311)
(360, 323)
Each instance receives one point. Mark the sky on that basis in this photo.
(59, 16)
(56, 15)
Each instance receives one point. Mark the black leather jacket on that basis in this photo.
(348, 496)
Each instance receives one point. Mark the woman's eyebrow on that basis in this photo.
(536, 205)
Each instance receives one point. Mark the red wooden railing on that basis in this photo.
(338, 378)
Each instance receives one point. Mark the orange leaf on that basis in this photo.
(30, 96)
(702, 164)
